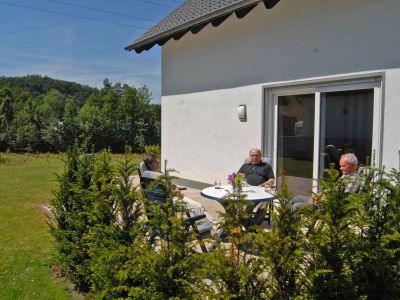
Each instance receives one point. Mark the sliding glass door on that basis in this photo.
(295, 141)
(314, 126)
(346, 126)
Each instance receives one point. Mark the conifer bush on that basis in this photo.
(283, 252)
(114, 210)
(231, 268)
(71, 222)
(114, 243)
(172, 263)
(331, 239)
(376, 254)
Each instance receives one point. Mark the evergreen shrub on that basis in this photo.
(114, 243)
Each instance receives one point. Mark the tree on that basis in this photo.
(6, 116)
(28, 125)
(133, 111)
(39, 114)
(89, 118)
(70, 127)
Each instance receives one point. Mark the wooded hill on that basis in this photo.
(41, 114)
(37, 85)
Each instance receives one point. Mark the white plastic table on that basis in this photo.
(255, 194)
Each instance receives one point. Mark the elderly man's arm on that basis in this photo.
(269, 176)
(270, 181)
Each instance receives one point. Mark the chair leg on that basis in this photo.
(198, 234)
(153, 235)
(270, 211)
(200, 240)
(220, 236)
(259, 216)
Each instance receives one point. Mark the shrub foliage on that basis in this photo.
(348, 248)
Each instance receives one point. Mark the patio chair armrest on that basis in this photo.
(195, 218)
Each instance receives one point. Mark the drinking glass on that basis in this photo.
(217, 184)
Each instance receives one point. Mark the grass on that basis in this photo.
(26, 246)
(297, 167)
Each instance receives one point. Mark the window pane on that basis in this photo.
(346, 126)
(296, 142)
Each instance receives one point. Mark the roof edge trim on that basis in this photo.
(270, 3)
(206, 18)
(216, 18)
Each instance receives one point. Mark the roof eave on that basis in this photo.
(150, 42)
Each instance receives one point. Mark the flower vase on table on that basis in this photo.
(237, 189)
(236, 181)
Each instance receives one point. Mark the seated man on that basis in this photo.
(157, 193)
(352, 180)
(152, 173)
(257, 172)
(348, 166)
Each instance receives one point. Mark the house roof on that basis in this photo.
(194, 15)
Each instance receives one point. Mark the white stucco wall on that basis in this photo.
(205, 76)
(202, 136)
(391, 117)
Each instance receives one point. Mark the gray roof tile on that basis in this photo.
(188, 15)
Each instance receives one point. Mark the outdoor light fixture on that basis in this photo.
(242, 115)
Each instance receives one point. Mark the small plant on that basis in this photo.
(152, 150)
(236, 180)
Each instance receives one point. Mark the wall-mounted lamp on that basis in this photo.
(242, 114)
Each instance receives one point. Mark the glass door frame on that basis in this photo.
(270, 116)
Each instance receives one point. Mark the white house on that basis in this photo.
(310, 73)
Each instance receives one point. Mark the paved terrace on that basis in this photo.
(213, 207)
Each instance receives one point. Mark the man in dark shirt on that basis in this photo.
(257, 172)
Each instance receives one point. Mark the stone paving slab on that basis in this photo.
(213, 207)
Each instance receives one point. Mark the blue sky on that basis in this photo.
(77, 49)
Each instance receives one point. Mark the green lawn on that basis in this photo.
(26, 246)
(25, 242)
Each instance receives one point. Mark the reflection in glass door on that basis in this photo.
(346, 126)
(295, 142)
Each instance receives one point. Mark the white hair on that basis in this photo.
(351, 158)
(255, 149)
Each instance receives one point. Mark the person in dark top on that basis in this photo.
(257, 172)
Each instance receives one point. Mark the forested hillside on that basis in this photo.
(41, 114)
(37, 85)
